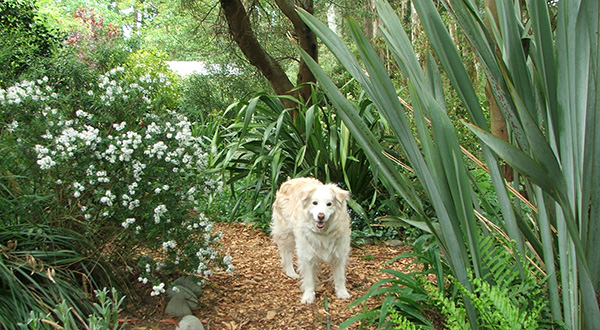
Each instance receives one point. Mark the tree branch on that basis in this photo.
(243, 35)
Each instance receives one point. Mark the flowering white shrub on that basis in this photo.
(131, 169)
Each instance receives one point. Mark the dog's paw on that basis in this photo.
(342, 294)
(308, 298)
(292, 274)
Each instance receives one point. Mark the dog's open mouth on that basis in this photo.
(320, 224)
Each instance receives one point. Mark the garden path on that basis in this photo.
(259, 296)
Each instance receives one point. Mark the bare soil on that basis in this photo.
(259, 296)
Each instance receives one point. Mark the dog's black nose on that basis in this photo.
(321, 216)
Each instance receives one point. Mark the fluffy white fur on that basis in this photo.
(311, 218)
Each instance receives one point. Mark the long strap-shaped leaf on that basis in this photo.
(383, 94)
(454, 68)
(577, 44)
(398, 181)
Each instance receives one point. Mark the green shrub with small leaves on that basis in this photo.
(25, 39)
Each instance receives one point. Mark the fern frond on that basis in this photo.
(453, 310)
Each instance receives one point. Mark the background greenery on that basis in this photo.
(399, 116)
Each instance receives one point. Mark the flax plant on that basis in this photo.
(548, 95)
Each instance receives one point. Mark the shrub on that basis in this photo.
(100, 46)
(25, 39)
(42, 265)
(121, 163)
(536, 89)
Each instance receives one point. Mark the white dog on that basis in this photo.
(312, 219)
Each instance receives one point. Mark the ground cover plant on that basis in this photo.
(544, 102)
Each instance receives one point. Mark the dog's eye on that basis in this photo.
(315, 203)
(329, 204)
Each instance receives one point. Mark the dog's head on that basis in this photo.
(322, 203)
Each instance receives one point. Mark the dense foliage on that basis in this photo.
(536, 90)
(25, 39)
(102, 181)
(110, 163)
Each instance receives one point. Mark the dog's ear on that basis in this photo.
(340, 194)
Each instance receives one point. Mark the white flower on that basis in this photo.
(134, 204)
(227, 260)
(108, 198)
(119, 127)
(128, 222)
(41, 150)
(143, 279)
(46, 162)
(169, 244)
(158, 150)
(82, 114)
(12, 126)
(158, 212)
(230, 269)
(153, 129)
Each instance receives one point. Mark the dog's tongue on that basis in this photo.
(320, 224)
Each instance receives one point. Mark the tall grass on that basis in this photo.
(548, 94)
(42, 266)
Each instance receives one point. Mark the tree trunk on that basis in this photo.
(241, 31)
(307, 41)
(498, 124)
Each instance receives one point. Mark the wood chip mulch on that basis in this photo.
(258, 295)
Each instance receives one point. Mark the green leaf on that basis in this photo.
(514, 156)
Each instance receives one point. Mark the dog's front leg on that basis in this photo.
(307, 272)
(339, 278)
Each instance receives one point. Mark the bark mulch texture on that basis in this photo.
(258, 295)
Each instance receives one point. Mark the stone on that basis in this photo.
(394, 243)
(186, 287)
(368, 241)
(190, 322)
(178, 306)
(190, 283)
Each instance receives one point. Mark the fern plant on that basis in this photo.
(506, 297)
(503, 298)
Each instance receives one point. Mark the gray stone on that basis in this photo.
(190, 297)
(186, 287)
(368, 241)
(190, 322)
(178, 306)
(394, 243)
(190, 283)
